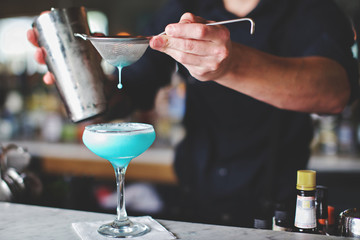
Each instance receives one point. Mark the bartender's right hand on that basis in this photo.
(40, 55)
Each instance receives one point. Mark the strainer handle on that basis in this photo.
(252, 27)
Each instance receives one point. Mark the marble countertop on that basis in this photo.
(18, 221)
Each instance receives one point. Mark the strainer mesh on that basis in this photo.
(119, 52)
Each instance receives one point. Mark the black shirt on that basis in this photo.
(239, 151)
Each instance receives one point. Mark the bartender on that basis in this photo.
(248, 97)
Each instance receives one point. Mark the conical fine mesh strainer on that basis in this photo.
(118, 51)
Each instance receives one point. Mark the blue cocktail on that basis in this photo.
(119, 143)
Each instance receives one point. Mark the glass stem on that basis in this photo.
(120, 183)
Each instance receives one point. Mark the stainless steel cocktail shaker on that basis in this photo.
(74, 62)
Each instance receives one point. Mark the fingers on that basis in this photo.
(31, 36)
(196, 31)
(191, 46)
(49, 78)
(191, 26)
(210, 58)
(208, 63)
(191, 18)
(40, 55)
(204, 50)
(163, 43)
(186, 58)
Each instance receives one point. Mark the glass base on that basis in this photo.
(123, 229)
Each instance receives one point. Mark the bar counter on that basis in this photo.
(154, 165)
(18, 221)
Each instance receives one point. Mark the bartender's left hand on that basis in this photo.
(204, 50)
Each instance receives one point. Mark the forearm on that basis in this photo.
(310, 84)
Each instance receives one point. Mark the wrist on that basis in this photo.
(236, 66)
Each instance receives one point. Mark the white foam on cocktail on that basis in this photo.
(123, 128)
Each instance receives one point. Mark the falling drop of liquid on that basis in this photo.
(120, 85)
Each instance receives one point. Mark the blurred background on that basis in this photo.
(65, 174)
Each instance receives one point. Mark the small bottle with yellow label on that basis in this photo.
(305, 215)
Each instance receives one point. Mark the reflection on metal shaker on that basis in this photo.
(74, 63)
(350, 223)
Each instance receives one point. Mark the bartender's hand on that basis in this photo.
(40, 55)
(312, 84)
(203, 50)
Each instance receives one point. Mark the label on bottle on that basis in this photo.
(305, 216)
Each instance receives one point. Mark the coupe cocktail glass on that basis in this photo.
(119, 143)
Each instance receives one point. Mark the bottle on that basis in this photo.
(346, 138)
(260, 223)
(281, 221)
(327, 135)
(263, 215)
(322, 209)
(332, 226)
(305, 214)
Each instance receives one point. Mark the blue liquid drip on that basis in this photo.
(120, 85)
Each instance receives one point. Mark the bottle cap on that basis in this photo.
(306, 180)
